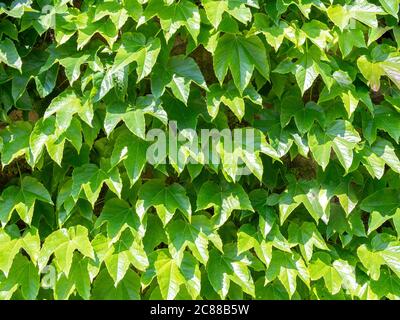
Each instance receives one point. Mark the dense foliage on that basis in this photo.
(85, 215)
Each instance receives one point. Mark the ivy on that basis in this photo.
(160, 149)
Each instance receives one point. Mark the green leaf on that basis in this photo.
(318, 33)
(195, 235)
(273, 34)
(25, 275)
(391, 6)
(241, 55)
(133, 48)
(127, 289)
(228, 267)
(178, 74)
(172, 17)
(375, 158)
(192, 274)
(23, 199)
(382, 251)
(9, 249)
(215, 10)
(66, 105)
(169, 277)
(361, 10)
(9, 54)
(307, 236)
(321, 267)
(287, 267)
(89, 179)
(349, 39)
(341, 136)
(165, 199)
(106, 28)
(229, 96)
(224, 198)
(14, 141)
(132, 152)
(62, 243)
(80, 275)
(373, 71)
(385, 201)
(118, 215)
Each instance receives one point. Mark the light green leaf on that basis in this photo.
(9, 54)
(224, 198)
(63, 243)
(118, 215)
(241, 55)
(165, 199)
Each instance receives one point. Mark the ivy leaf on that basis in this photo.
(81, 277)
(215, 10)
(9, 249)
(224, 198)
(241, 55)
(117, 265)
(306, 73)
(223, 268)
(247, 238)
(118, 215)
(127, 289)
(391, 6)
(133, 48)
(318, 33)
(349, 39)
(89, 178)
(30, 242)
(308, 67)
(132, 152)
(267, 215)
(374, 158)
(247, 150)
(23, 199)
(63, 243)
(9, 54)
(178, 75)
(382, 251)
(174, 16)
(126, 251)
(287, 267)
(273, 34)
(307, 236)
(14, 141)
(25, 275)
(192, 274)
(46, 134)
(165, 199)
(169, 277)
(361, 10)
(66, 105)
(373, 70)
(385, 201)
(341, 136)
(106, 28)
(133, 116)
(315, 198)
(195, 235)
(145, 57)
(229, 96)
(321, 267)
